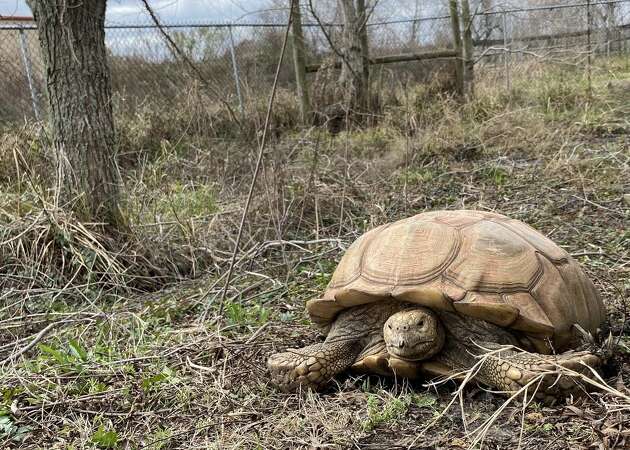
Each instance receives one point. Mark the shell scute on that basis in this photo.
(493, 259)
(407, 255)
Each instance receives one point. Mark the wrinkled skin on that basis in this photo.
(394, 338)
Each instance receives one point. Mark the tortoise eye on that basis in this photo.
(421, 323)
(389, 325)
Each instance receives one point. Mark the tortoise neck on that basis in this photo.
(364, 323)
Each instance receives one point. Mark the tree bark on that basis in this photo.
(457, 44)
(299, 62)
(72, 39)
(365, 51)
(468, 50)
(354, 64)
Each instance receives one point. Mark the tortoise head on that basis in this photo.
(413, 334)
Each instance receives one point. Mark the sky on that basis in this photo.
(222, 11)
(175, 11)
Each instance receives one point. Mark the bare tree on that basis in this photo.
(299, 61)
(72, 39)
(457, 44)
(354, 65)
(468, 49)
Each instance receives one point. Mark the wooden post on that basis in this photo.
(506, 54)
(299, 62)
(468, 50)
(589, 48)
(363, 37)
(457, 44)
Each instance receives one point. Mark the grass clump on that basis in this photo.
(392, 410)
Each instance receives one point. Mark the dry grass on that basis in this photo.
(93, 359)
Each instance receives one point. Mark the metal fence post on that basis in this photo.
(26, 59)
(235, 67)
(507, 54)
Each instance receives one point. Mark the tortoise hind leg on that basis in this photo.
(545, 375)
(313, 366)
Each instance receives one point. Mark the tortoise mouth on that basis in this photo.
(416, 353)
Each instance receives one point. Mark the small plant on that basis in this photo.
(497, 175)
(167, 375)
(238, 314)
(105, 438)
(423, 400)
(390, 411)
(9, 430)
(161, 439)
(416, 176)
(72, 357)
(547, 427)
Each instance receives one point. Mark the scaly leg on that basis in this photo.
(509, 370)
(313, 366)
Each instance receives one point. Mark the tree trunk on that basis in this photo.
(468, 50)
(299, 62)
(72, 39)
(353, 67)
(457, 44)
(365, 51)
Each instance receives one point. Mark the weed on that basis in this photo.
(495, 174)
(389, 411)
(242, 315)
(160, 439)
(105, 438)
(165, 376)
(9, 430)
(416, 176)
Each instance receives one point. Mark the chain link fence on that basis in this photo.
(239, 59)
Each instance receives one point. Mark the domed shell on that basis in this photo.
(480, 264)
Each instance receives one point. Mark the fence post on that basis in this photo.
(26, 59)
(299, 61)
(469, 62)
(588, 46)
(457, 44)
(507, 56)
(235, 67)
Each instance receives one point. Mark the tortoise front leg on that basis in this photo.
(312, 367)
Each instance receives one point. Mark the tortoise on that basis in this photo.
(433, 293)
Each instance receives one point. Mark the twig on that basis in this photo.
(38, 337)
(257, 333)
(174, 48)
(261, 152)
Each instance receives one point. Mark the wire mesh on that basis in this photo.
(244, 55)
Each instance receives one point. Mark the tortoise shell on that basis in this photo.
(479, 264)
